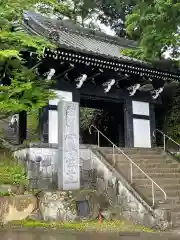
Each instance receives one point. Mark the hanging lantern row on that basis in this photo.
(106, 64)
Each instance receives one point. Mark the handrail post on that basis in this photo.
(133, 164)
(98, 139)
(164, 140)
(113, 155)
(153, 198)
(131, 172)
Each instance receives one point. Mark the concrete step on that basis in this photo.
(169, 203)
(151, 172)
(144, 161)
(163, 169)
(148, 165)
(158, 175)
(163, 186)
(160, 182)
(160, 170)
(139, 160)
(135, 154)
(148, 192)
(136, 149)
(177, 215)
(151, 165)
(175, 208)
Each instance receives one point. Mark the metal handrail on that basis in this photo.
(164, 138)
(131, 164)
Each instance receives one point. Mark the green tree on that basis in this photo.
(22, 89)
(156, 23)
(109, 12)
(113, 13)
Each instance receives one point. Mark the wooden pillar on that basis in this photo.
(120, 126)
(22, 127)
(43, 118)
(121, 136)
(152, 124)
(128, 124)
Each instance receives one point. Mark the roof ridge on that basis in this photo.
(88, 32)
(68, 25)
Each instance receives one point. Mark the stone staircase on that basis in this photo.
(158, 165)
(7, 132)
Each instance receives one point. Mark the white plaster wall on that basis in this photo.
(141, 127)
(142, 135)
(53, 115)
(140, 108)
(53, 126)
(61, 95)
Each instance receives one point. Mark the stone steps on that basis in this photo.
(147, 165)
(161, 167)
(157, 175)
(132, 150)
(8, 133)
(158, 193)
(159, 181)
(164, 186)
(138, 160)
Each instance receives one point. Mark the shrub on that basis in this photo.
(10, 171)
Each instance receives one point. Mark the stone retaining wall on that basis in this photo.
(16, 207)
(95, 174)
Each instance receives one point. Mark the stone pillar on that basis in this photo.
(68, 143)
(128, 123)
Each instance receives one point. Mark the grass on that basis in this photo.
(10, 171)
(33, 121)
(5, 194)
(32, 126)
(107, 226)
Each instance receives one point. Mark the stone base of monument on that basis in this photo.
(74, 206)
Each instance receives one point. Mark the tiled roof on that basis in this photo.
(68, 35)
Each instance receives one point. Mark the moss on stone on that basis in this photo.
(108, 226)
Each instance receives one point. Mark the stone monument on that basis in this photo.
(68, 165)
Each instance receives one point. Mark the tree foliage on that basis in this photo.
(156, 24)
(109, 12)
(21, 88)
(113, 13)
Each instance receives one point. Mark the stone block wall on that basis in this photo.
(40, 164)
(120, 194)
(95, 174)
(40, 161)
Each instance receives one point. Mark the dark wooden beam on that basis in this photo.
(128, 123)
(118, 65)
(44, 126)
(22, 127)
